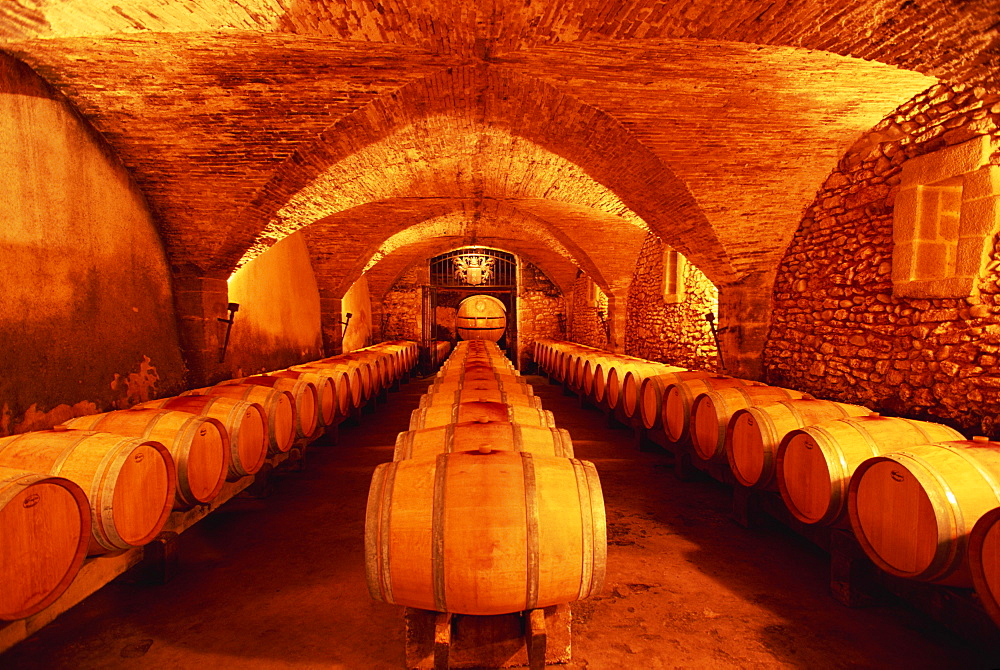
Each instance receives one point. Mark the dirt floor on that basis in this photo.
(279, 582)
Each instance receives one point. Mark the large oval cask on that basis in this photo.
(754, 434)
(493, 435)
(712, 410)
(245, 423)
(679, 397)
(480, 395)
(485, 534)
(984, 561)
(279, 406)
(129, 482)
(44, 533)
(913, 510)
(815, 464)
(440, 415)
(481, 317)
(199, 446)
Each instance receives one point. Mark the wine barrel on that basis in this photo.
(332, 391)
(590, 368)
(632, 382)
(479, 374)
(481, 317)
(352, 377)
(129, 482)
(984, 562)
(755, 433)
(651, 392)
(303, 393)
(279, 406)
(485, 534)
(367, 378)
(913, 510)
(368, 366)
(509, 385)
(480, 395)
(601, 370)
(678, 398)
(45, 522)
(816, 463)
(495, 435)
(199, 446)
(245, 423)
(440, 415)
(712, 410)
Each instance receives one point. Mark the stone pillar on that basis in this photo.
(330, 324)
(744, 319)
(201, 301)
(617, 313)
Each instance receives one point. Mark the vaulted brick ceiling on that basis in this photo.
(578, 123)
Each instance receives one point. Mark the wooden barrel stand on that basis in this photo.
(534, 638)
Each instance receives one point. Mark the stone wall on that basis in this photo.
(675, 333)
(86, 304)
(541, 311)
(401, 309)
(588, 317)
(278, 322)
(839, 332)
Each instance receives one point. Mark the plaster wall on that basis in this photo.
(357, 301)
(86, 307)
(278, 322)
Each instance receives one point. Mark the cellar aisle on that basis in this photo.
(279, 582)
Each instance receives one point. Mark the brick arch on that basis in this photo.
(525, 108)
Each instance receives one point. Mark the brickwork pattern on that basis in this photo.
(840, 333)
(677, 334)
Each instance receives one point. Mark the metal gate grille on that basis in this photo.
(474, 266)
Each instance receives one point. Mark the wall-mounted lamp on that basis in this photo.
(344, 324)
(233, 308)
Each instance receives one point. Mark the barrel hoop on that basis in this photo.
(449, 438)
(104, 520)
(373, 547)
(531, 528)
(518, 436)
(986, 474)
(797, 415)
(587, 529)
(599, 522)
(510, 413)
(385, 535)
(856, 425)
(817, 431)
(455, 409)
(437, 533)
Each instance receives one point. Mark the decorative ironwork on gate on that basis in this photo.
(474, 266)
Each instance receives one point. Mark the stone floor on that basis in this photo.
(279, 582)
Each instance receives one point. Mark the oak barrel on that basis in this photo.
(815, 464)
(199, 446)
(712, 410)
(367, 377)
(440, 415)
(44, 533)
(754, 434)
(245, 423)
(632, 381)
(332, 391)
(481, 317)
(279, 406)
(352, 374)
(495, 435)
(480, 395)
(511, 385)
(679, 397)
(129, 482)
(651, 394)
(485, 534)
(912, 510)
(303, 393)
(984, 561)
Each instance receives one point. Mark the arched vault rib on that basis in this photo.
(591, 159)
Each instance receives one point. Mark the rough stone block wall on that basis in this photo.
(587, 320)
(541, 311)
(839, 332)
(672, 333)
(401, 308)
